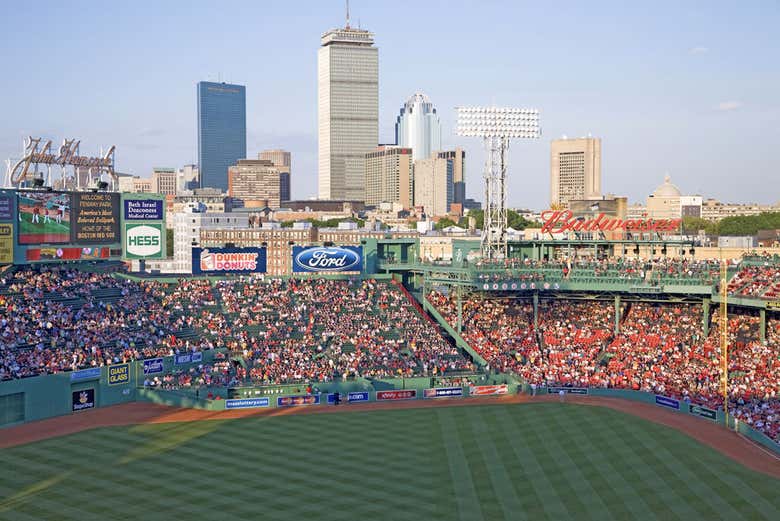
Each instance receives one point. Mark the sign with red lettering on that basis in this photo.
(401, 394)
(488, 390)
(561, 221)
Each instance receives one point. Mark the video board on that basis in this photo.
(44, 217)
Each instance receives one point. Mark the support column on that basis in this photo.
(617, 314)
(762, 325)
(460, 309)
(705, 317)
(536, 311)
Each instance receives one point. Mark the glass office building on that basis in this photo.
(221, 131)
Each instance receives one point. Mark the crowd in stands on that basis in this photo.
(756, 281)
(319, 330)
(56, 319)
(216, 374)
(660, 348)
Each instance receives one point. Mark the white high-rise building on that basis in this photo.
(347, 111)
(418, 127)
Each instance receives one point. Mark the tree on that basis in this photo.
(513, 220)
(169, 242)
(445, 222)
(749, 225)
(692, 225)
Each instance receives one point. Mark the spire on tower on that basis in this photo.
(347, 14)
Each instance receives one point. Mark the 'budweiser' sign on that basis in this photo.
(560, 221)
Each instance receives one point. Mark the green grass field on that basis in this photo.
(531, 461)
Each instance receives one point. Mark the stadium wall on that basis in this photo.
(40, 397)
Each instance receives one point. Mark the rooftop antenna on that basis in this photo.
(347, 14)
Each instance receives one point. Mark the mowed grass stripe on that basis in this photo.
(460, 473)
(526, 448)
(593, 489)
(484, 427)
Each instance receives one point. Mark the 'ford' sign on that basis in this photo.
(347, 258)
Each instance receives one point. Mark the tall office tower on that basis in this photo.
(418, 127)
(347, 111)
(221, 131)
(458, 157)
(575, 169)
(389, 176)
(254, 180)
(433, 185)
(283, 162)
(164, 181)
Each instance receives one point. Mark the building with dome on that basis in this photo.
(666, 201)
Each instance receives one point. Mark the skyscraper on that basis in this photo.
(418, 127)
(433, 185)
(458, 157)
(281, 159)
(389, 176)
(255, 180)
(221, 131)
(347, 110)
(575, 169)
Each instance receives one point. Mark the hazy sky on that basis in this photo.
(688, 88)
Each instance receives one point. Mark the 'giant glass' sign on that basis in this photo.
(318, 259)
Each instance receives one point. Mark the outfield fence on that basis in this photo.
(680, 406)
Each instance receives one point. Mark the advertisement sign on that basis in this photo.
(153, 366)
(93, 373)
(7, 206)
(247, 403)
(357, 396)
(560, 221)
(488, 390)
(773, 304)
(665, 401)
(6, 243)
(44, 254)
(95, 217)
(294, 401)
(81, 400)
(144, 241)
(567, 390)
(702, 411)
(227, 260)
(443, 392)
(118, 374)
(44, 217)
(143, 209)
(188, 358)
(318, 259)
(402, 394)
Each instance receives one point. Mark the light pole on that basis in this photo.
(496, 126)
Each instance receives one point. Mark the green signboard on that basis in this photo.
(144, 241)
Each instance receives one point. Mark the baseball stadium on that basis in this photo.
(503, 389)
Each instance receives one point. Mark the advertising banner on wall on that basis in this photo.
(118, 374)
(6, 243)
(81, 400)
(216, 261)
(95, 217)
(327, 259)
(144, 241)
(63, 254)
(7, 212)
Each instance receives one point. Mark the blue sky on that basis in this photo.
(688, 88)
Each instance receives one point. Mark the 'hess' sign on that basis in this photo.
(561, 221)
(348, 258)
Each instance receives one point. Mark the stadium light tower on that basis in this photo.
(496, 126)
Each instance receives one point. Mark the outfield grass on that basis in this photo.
(530, 461)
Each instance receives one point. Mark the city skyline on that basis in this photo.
(689, 89)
